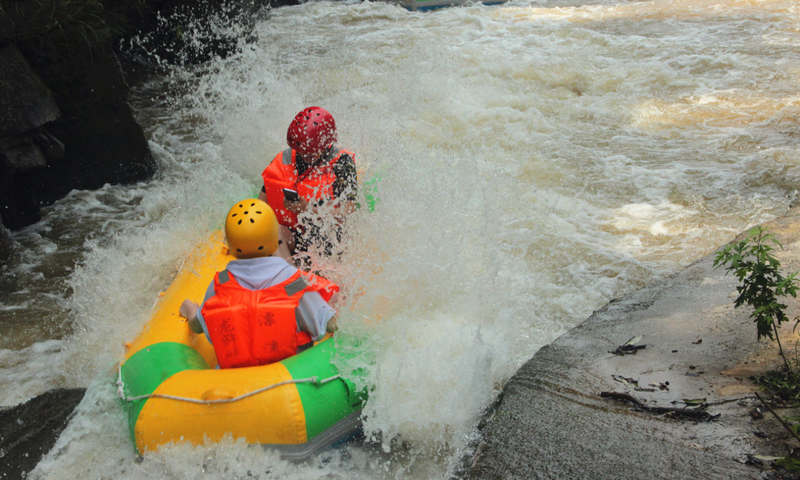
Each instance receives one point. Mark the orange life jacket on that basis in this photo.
(314, 184)
(258, 327)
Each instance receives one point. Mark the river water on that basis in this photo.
(537, 160)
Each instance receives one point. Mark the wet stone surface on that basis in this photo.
(29, 430)
(699, 353)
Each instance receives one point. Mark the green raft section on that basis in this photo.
(149, 367)
(371, 192)
(323, 404)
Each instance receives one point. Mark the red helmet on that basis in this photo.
(311, 132)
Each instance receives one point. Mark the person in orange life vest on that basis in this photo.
(260, 309)
(324, 177)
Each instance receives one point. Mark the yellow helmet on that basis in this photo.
(251, 229)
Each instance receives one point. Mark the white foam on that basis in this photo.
(535, 162)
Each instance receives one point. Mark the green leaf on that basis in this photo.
(766, 458)
(752, 262)
(789, 463)
(633, 341)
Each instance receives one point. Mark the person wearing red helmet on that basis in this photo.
(323, 176)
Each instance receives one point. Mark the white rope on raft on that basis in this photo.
(121, 391)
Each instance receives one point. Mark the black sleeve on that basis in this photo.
(346, 184)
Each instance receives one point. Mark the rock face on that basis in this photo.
(33, 106)
(30, 430)
(26, 105)
(103, 142)
(65, 118)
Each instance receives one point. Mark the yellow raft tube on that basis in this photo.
(173, 393)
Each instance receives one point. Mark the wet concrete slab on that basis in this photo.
(552, 422)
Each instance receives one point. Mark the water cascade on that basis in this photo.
(537, 160)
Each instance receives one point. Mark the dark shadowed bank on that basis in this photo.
(65, 116)
(682, 407)
(28, 431)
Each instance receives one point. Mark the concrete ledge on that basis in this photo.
(552, 423)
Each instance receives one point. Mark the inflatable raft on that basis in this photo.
(173, 393)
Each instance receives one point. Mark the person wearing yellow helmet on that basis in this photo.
(251, 229)
(260, 309)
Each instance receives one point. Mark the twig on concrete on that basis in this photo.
(777, 416)
(723, 402)
(697, 413)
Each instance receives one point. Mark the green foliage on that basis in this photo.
(178, 30)
(783, 383)
(36, 19)
(762, 284)
(793, 422)
(789, 463)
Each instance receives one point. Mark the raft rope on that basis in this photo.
(121, 391)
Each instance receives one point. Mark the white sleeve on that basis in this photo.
(209, 293)
(313, 314)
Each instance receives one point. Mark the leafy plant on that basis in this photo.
(761, 282)
(789, 463)
(785, 384)
(794, 422)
